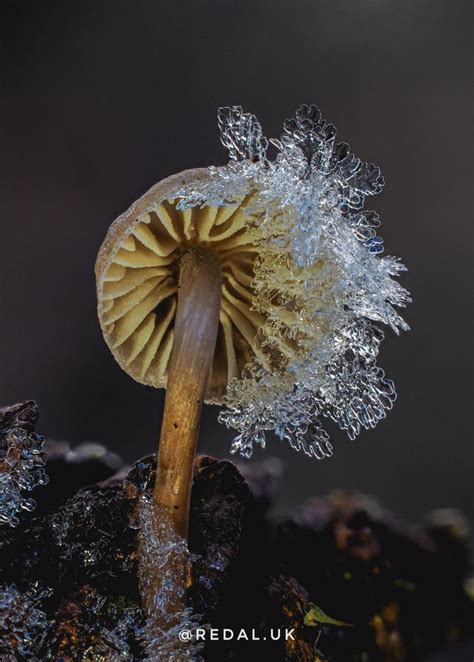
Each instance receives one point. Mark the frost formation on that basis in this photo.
(22, 461)
(320, 262)
(23, 624)
(163, 559)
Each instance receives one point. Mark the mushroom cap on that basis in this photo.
(137, 272)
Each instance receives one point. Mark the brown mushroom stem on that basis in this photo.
(195, 334)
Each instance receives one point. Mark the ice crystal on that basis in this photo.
(320, 262)
(21, 460)
(23, 624)
(163, 561)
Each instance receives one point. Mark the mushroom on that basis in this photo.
(260, 281)
(262, 270)
(174, 290)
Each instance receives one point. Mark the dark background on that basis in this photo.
(102, 99)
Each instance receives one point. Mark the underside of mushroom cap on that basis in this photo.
(137, 282)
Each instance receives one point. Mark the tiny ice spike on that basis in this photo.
(321, 262)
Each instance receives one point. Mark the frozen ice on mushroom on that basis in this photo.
(320, 282)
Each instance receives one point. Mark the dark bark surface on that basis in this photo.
(345, 576)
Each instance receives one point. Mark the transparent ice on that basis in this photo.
(23, 624)
(22, 463)
(106, 625)
(321, 262)
(163, 560)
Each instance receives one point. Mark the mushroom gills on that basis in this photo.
(139, 287)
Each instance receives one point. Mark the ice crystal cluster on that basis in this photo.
(320, 263)
(22, 461)
(163, 557)
(23, 624)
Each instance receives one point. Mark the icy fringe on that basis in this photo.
(320, 261)
(163, 555)
(23, 625)
(21, 470)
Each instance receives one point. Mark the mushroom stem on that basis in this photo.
(195, 334)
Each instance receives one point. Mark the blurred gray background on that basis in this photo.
(100, 99)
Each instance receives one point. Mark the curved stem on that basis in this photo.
(195, 334)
